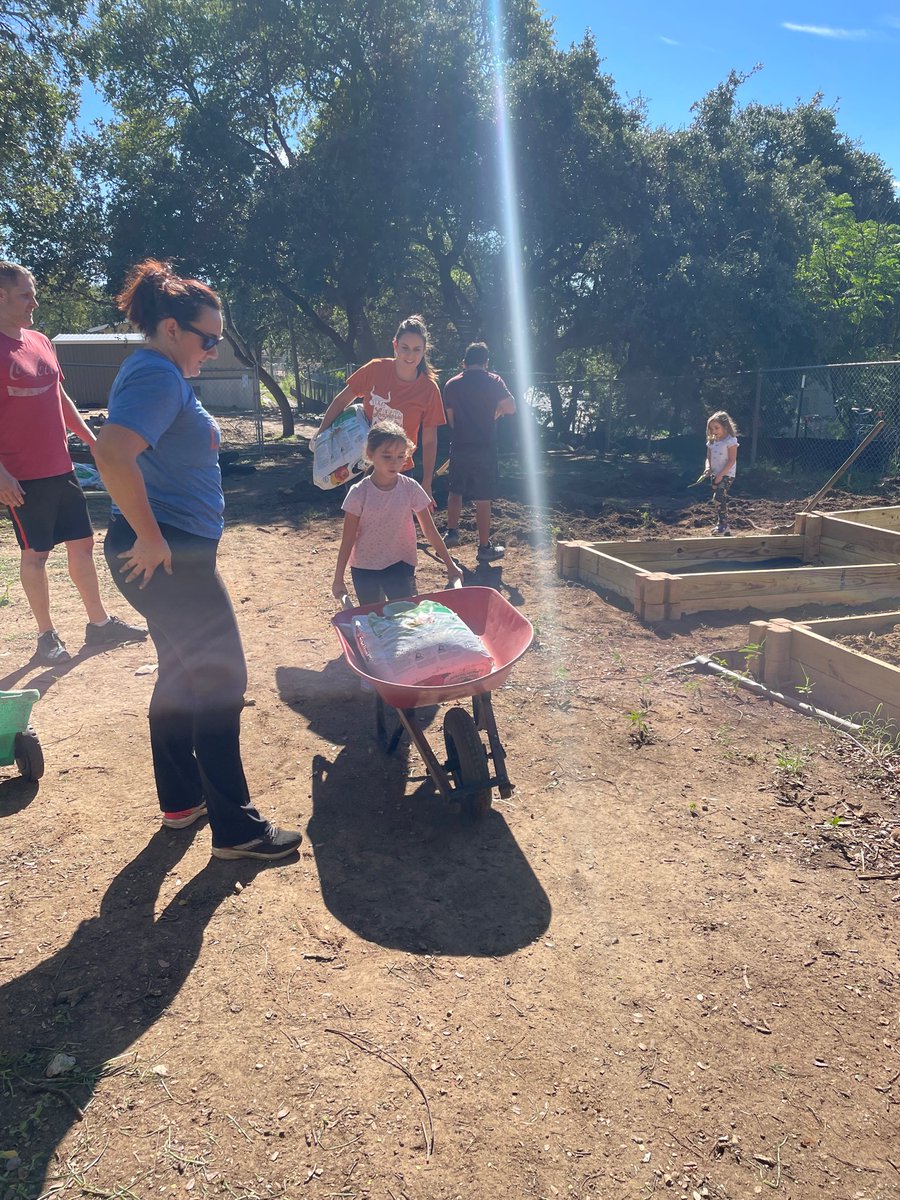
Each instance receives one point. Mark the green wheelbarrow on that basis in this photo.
(18, 742)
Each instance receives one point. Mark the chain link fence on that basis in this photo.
(318, 384)
(798, 419)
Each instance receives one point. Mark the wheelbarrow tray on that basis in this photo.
(15, 713)
(506, 635)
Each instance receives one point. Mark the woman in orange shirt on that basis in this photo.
(402, 389)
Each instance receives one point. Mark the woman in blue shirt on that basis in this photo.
(158, 456)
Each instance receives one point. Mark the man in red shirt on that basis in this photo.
(37, 482)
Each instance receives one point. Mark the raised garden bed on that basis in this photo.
(823, 562)
(813, 661)
(880, 518)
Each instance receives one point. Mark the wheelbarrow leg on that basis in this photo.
(388, 744)
(438, 775)
(483, 712)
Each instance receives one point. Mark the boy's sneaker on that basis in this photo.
(187, 816)
(489, 552)
(721, 531)
(275, 843)
(51, 649)
(115, 632)
(451, 537)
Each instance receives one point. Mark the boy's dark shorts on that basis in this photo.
(54, 511)
(474, 476)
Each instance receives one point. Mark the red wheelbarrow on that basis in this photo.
(466, 776)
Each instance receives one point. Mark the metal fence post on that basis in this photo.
(799, 418)
(754, 436)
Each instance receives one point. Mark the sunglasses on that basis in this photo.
(208, 341)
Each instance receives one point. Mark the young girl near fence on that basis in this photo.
(721, 458)
(379, 539)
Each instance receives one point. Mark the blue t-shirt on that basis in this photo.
(152, 398)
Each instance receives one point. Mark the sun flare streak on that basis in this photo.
(520, 332)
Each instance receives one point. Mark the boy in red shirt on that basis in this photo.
(37, 482)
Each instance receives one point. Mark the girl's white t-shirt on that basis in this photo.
(718, 455)
(387, 530)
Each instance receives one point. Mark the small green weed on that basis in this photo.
(639, 733)
(694, 689)
(805, 688)
(879, 737)
(751, 654)
(792, 764)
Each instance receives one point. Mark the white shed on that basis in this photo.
(90, 362)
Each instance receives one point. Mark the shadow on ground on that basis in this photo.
(97, 995)
(404, 870)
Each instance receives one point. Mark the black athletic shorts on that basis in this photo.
(474, 474)
(54, 511)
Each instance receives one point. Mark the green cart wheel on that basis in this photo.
(29, 756)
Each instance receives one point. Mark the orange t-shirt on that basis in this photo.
(388, 398)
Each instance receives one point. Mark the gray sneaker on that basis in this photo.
(274, 843)
(51, 649)
(115, 632)
(451, 537)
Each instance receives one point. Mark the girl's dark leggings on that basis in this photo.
(720, 497)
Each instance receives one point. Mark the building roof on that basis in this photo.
(97, 338)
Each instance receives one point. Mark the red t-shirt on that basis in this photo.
(32, 428)
(386, 397)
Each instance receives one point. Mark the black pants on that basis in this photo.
(195, 710)
(395, 582)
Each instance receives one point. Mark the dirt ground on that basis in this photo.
(667, 966)
(885, 646)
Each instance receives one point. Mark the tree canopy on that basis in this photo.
(336, 166)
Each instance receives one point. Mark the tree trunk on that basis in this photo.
(556, 408)
(244, 353)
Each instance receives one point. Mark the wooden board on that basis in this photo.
(852, 582)
(610, 572)
(856, 536)
(667, 554)
(881, 518)
(863, 623)
(845, 679)
(833, 553)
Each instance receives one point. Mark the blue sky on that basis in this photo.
(671, 52)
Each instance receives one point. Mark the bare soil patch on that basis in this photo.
(666, 966)
(885, 646)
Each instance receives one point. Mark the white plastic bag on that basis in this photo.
(424, 643)
(339, 452)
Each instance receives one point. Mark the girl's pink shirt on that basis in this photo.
(387, 528)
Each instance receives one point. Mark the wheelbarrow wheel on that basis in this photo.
(29, 756)
(467, 761)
